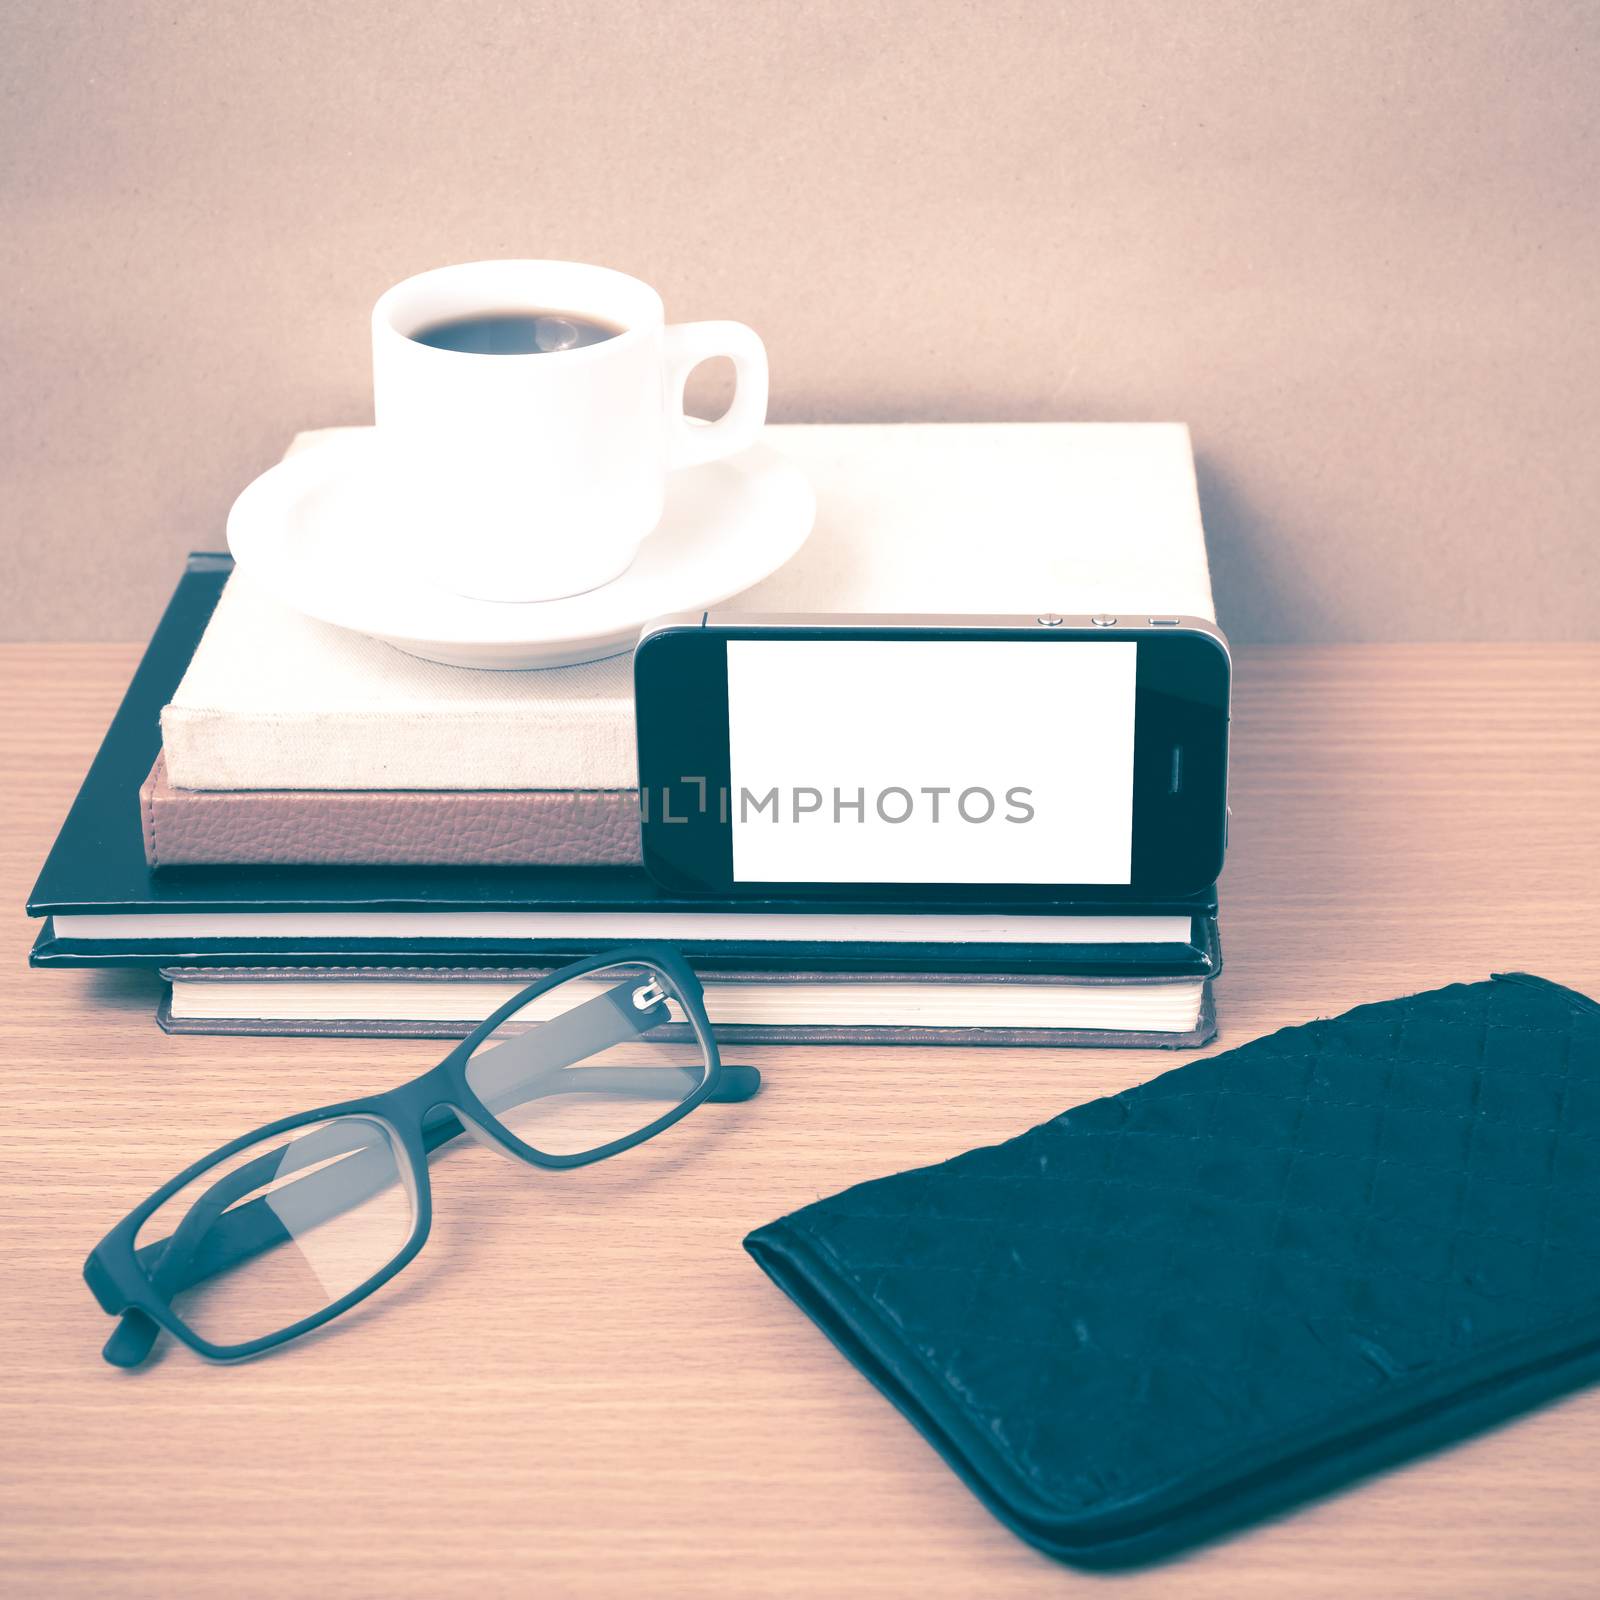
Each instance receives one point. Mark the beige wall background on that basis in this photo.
(1355, 245)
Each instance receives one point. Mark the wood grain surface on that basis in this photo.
(583, 1385)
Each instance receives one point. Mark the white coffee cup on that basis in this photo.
(532, 477)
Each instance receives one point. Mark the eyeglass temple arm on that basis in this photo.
(211, 1239)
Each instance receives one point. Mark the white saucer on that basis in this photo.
(311, 532)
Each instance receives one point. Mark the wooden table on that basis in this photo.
(583, 1386)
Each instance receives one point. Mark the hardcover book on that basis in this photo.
(745, 1006)
(955, 518)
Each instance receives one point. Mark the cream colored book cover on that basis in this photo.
(1012, 518)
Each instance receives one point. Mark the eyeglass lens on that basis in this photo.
(597, 1059)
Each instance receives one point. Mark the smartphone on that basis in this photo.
(1010, 759)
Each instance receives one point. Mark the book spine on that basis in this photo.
(278, 827)
(1204, 1031)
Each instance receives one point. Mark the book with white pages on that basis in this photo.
(749, 1007)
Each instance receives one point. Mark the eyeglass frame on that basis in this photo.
(124, 1290)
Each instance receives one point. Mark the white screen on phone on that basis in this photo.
(931, 761)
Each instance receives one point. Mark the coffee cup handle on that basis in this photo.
(687, 344)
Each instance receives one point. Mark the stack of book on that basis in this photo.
(307, 831)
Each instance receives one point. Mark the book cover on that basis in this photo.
(955, 518)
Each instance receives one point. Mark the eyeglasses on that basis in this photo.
(283, 1230)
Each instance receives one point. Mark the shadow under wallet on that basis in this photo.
(1168, 1313)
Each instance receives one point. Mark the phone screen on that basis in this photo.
(928, 761)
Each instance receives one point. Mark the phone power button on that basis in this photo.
(1051, 619)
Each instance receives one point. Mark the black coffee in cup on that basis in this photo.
(516, 333)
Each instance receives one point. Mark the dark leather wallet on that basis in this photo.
(1170, 1312)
